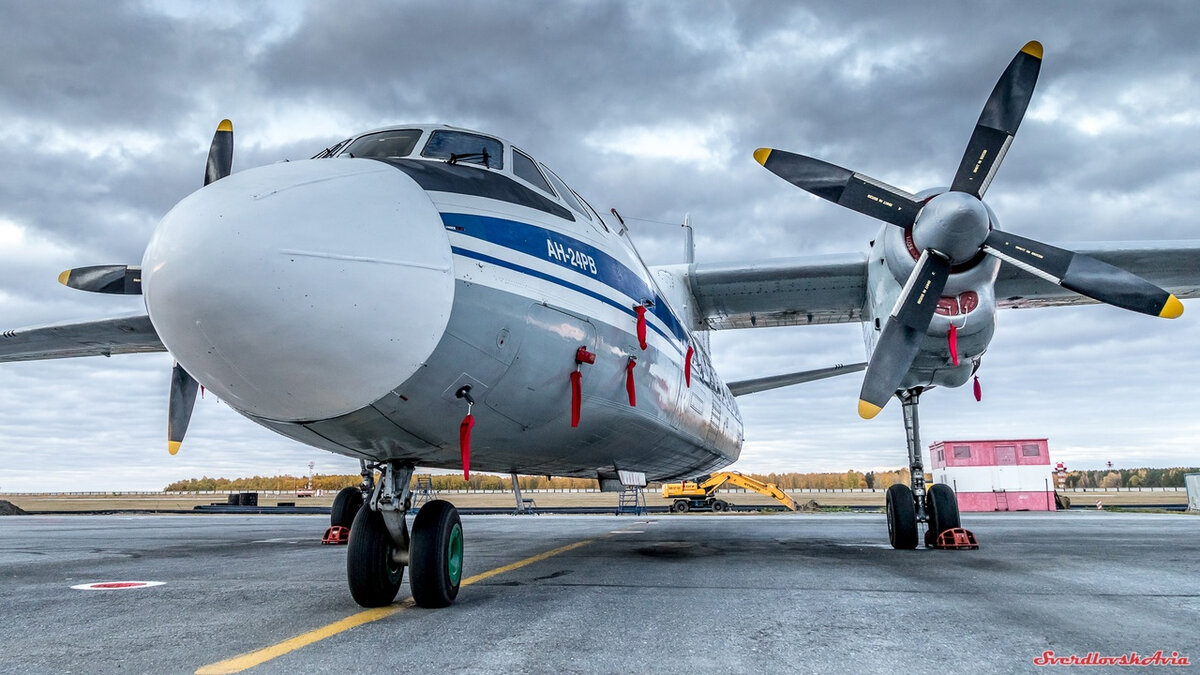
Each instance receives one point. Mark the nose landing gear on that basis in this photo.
(381, 545)
(908, 506)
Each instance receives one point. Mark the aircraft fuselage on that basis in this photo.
(388, 281)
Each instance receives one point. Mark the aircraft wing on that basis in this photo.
(105, 337)
(779, 292)
(832, 288)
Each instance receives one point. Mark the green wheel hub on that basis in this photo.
(454, 554)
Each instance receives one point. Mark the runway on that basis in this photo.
(602, 594)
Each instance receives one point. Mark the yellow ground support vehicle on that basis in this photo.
(701, 495)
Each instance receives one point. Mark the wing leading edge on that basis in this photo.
(832, 288)
(105, 337)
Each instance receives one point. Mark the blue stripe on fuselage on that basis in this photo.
(567, 252)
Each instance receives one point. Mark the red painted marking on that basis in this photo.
(116, 585)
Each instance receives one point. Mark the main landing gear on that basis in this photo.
(908, 506)
(381, 545)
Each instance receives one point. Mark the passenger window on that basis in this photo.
(565, 192)
(384, 144)
(525, 169)
(459, 146)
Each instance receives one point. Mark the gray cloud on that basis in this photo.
(108, 111)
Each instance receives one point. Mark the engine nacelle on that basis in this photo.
(968, 303)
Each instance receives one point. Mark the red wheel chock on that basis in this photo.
(336, 535)
(956, 538)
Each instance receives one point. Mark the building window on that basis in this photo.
(1030, 450)
(962, 452)
(941, 455)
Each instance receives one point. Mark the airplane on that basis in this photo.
(435, 296)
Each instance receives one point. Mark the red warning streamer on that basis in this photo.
(629, 383)
(576, 396)
(978, 390)
(687, 366)
(641, 326)
(952, 337)
(464, 443)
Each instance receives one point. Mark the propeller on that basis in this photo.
(182, 398)
(953, 228)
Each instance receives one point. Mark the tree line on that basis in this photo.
(1103, 478)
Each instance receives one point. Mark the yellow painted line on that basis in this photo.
(251, 659)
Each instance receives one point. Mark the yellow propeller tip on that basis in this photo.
(1033, 48)
(867, 410)
(64, 277)
(1173, 309)
(225, 125)
(761, 155)
(173, 446)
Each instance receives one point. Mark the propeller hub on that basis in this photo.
(301, 290)
(954, 224)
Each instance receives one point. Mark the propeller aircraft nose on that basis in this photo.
(334, 271)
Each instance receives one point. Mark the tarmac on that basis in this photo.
(735, 593)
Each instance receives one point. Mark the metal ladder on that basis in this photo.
(631, 500)
(422, 492)
(1001, 500)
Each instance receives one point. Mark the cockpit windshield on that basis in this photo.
(398, 143)
(460, 146)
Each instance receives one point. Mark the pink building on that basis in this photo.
(996, 475)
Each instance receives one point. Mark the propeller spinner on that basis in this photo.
(952, 228)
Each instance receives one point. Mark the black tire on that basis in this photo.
(345, 507)
(901, 517)
(680, 506)
(719, 506)
(942, 507)
(435, 555)
(373, 575)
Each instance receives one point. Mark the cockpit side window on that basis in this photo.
(566, 193)
(526, 169)
(383, 144)
(462, 147)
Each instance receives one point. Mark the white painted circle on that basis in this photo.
(116, 585)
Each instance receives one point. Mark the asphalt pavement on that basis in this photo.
(735, 593)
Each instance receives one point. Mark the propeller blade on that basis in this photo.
(998, 122)
(1083, 274)
(220, 153)
(114, 279)
(180, 404)
(841, 186)
(901, 338)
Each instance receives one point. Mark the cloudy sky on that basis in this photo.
(106, 111)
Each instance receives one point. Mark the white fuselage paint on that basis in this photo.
(339, 302)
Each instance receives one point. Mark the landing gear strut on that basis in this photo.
(910, 505)
(381, 545)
